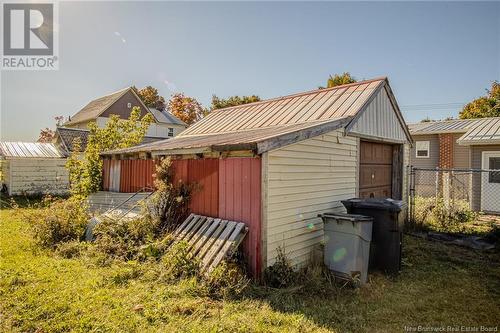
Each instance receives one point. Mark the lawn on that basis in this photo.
(39, 291)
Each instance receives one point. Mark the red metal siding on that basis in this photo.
(229, 188)
(204, 173)
(136, 175)
(180, 170)
(240, 200)
(106, 170)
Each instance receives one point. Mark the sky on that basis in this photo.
(437, 56)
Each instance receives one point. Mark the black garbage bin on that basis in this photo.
(387, 231)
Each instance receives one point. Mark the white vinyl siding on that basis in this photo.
(33, 176)
(303, 180)
(379, 121)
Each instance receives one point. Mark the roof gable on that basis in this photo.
(99, 106)
(380, 119)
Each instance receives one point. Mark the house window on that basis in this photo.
(494, 176)
(422, 149)
(129, 105)
(170, 131)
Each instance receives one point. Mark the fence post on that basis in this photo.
(411, 183)
(436, 195)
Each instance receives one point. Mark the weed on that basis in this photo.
(56, 221)
(281, 274)
(177, 263)
(227, 280)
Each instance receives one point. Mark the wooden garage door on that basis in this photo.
(375, 172)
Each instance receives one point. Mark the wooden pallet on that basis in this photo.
(210, 239)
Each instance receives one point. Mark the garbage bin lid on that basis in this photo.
(348, 217)
(376, 203)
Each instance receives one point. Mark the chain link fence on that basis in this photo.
(449, 198)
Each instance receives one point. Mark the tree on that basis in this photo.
(46, 134)
(484, 106)
(187, 109)
(85, 173)
(151, 98)
(338, 80)
(221, 103)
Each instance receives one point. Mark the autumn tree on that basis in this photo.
(187, 109)
(151, 98)
(46, 134)
(484, 106)
(339, 79)
(221, 103)
(86, 173)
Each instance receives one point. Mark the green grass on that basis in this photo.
(39, 291)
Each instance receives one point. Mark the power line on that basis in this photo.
(433, 106)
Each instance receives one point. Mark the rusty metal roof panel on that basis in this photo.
(233, 139)
(30, 150)
(323, 104)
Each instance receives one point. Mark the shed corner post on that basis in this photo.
(264, 204)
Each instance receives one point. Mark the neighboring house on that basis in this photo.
(65, 136)
(276, 164)
(462, 144)
(120, 103)
(33, 168)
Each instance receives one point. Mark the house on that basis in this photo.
(462, 144)
(64, 138)
(165, 125)
(33, 168)
(276, 164)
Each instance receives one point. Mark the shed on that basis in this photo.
(32, 168)
(278, 163)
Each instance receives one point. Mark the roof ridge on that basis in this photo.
(118, 91)
(72, 129)
(452, 120)
(315, 91)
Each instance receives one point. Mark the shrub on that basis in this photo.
(281, 274)
(155, 249)
(177, 263)
(168, 205)
(123, 239)
(436, 214)
(72, 249)
(226, 280)
(57, 221)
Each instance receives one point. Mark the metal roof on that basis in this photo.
(321, 104)
(166, 117)
(447, 126)
(476, 131)
(274, 122)
(259, 139)
(484, 131)
(30, 150)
